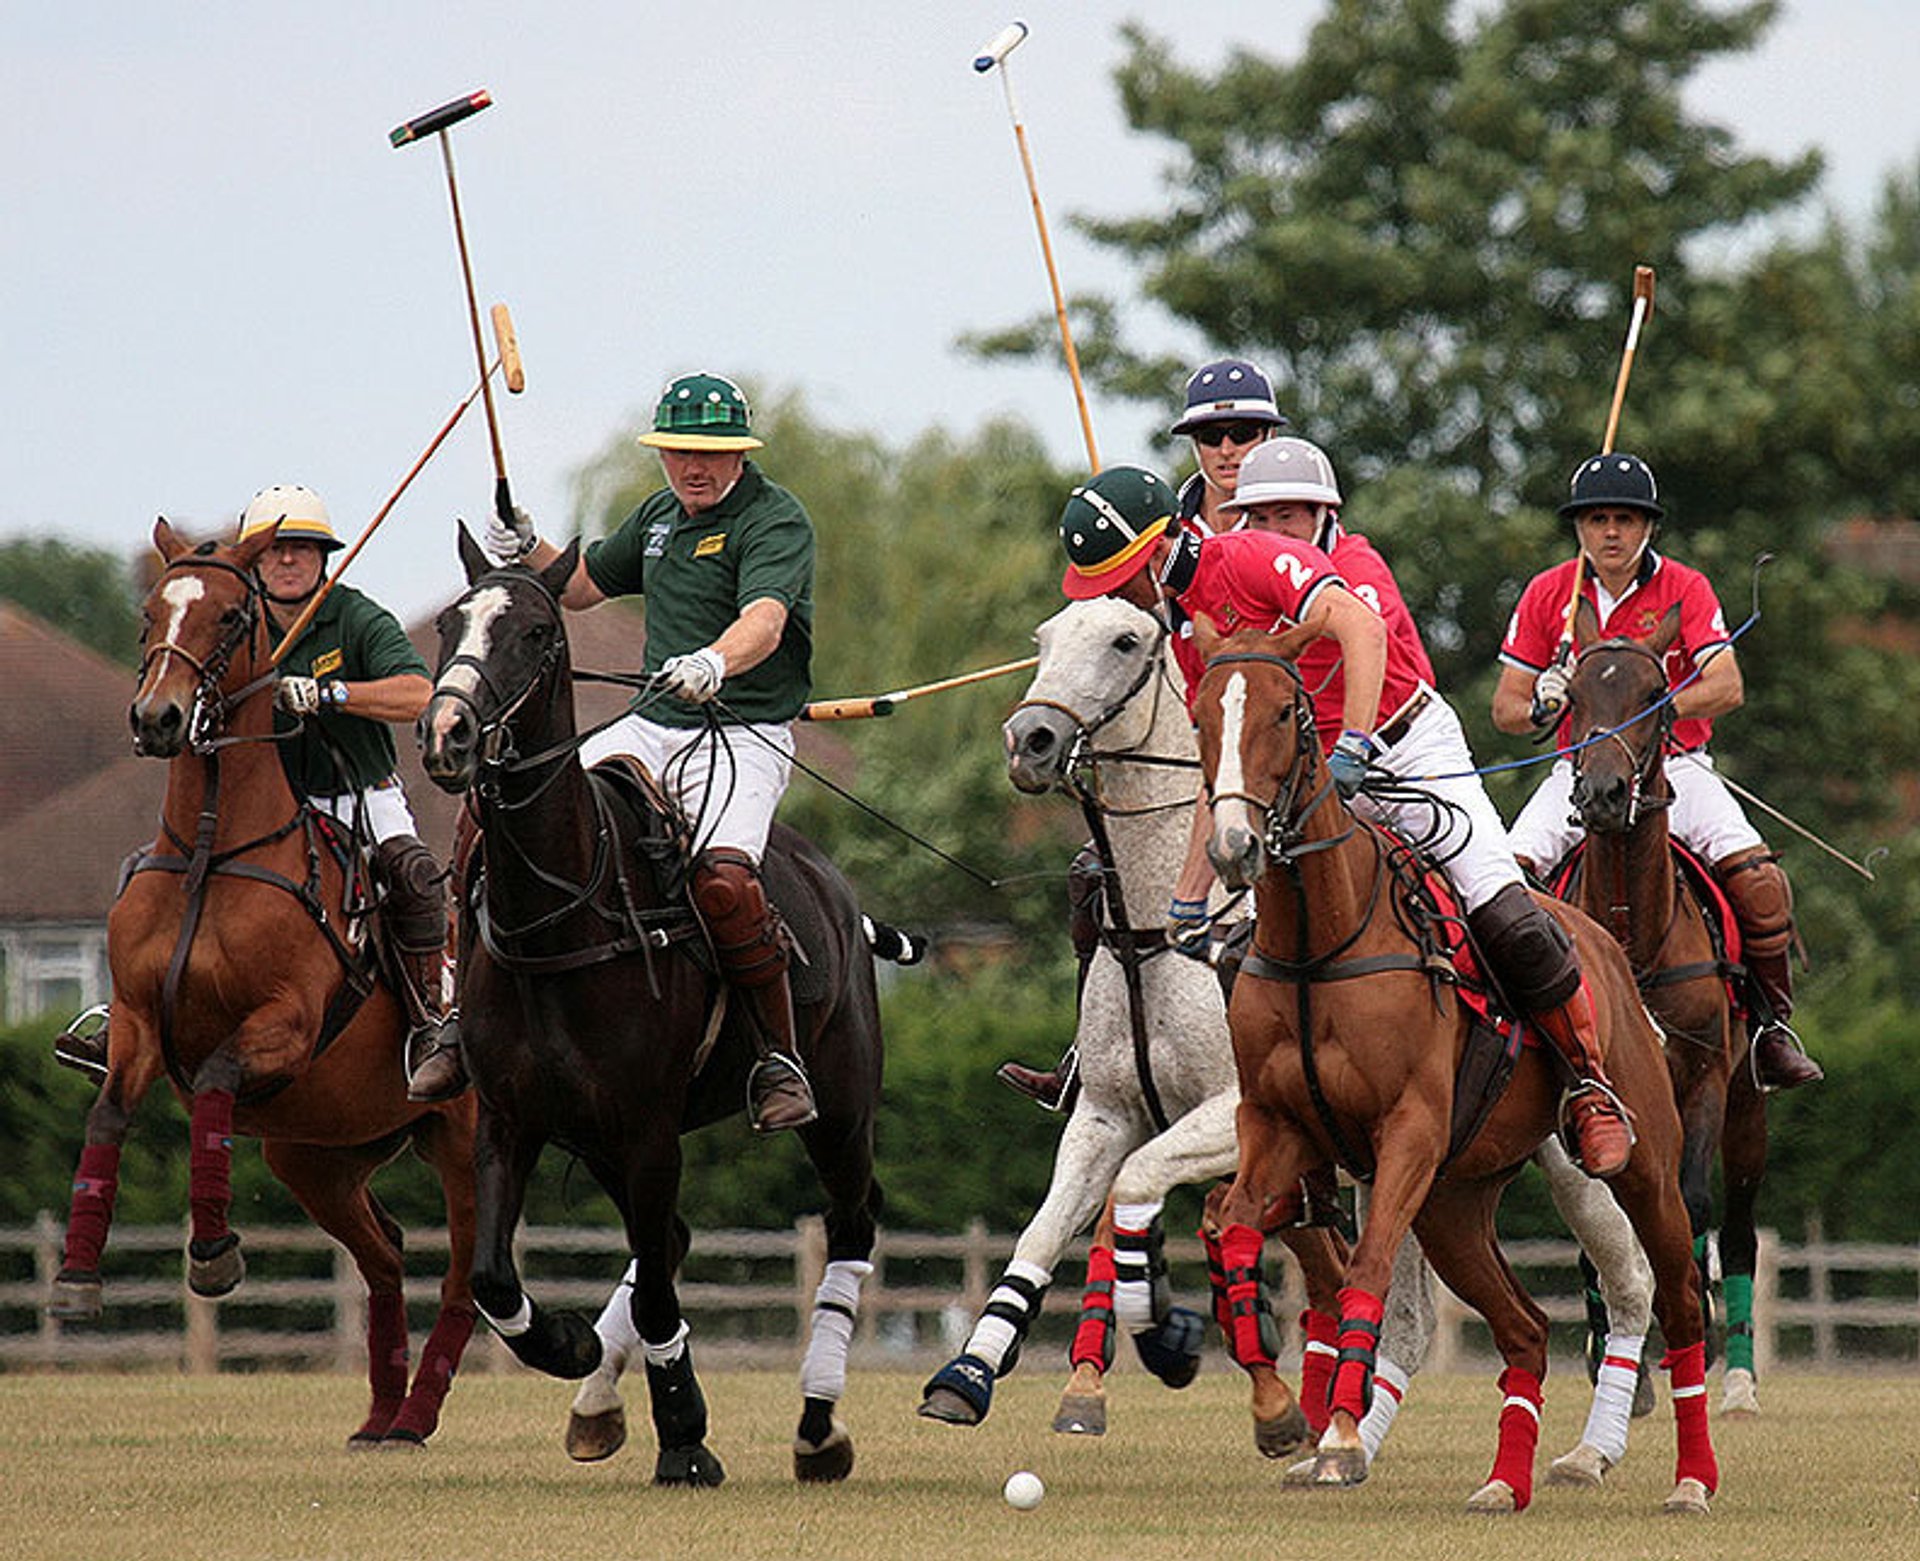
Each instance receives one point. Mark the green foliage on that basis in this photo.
(82, 591)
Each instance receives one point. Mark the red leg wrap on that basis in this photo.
(1093, 1339)
(1248, 1324)
(439, 1360)
(1359, 1344)
(386, 1362)
(210, 1164)
(1688, 1384)
(1217, 1282)
(1321, 1334)
(95, 1185)
(1519, 1433)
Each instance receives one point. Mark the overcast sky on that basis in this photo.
(218, 275)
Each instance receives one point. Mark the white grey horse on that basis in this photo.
(1105, 701)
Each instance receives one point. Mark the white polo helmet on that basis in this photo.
(301, 515)
(1282, 470)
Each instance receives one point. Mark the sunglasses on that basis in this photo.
(1214, 434)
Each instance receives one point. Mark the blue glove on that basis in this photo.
(1348, 762)
(1187, 927)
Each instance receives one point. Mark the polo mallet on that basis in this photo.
(437, 123)
(1642, 312)
(513, 372)
(993, 53)
(885, 704)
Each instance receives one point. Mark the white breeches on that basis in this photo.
(729, 784)
(1704, 818)
(387, 813)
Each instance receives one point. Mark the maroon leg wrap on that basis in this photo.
(1359, 1343)
(95, 1185)
(210, 1164)
(386, 1362)
(1093, 1339)
(1321, 1334)
(439, 1360)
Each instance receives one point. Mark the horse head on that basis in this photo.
(199, 640)
(1615, 684)
(503, 652)
(1098, 661)
(1257, 746)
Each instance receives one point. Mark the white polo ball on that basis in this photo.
(1024, 1490)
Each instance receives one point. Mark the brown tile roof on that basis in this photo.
(59, 861)
(63, 711)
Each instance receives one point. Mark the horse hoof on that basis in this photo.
(1739, 1393)
(1689, 1499)
(1644, 1397)
(945, 1405)
(1340, 1466)
(1081, 1414)
(593, 1437)
(1285, 1434)
(691, 1466)
(217, 1270)
(826, 1462)
(75, 1297)
(1496, 1496)
(1299, 1474)
(1585, 1466)
(1171, 1350)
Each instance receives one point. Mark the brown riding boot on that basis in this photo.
(1762, 902)
(751, 946)
(415, 913)
(1599, 1120)
(1049, 1088)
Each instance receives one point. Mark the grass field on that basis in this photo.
(106, 1467)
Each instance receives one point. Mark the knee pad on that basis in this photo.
(416, 889)
(1762, 899)
(1532, 956)
(726, 884)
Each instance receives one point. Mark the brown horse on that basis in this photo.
(239, 975)
(1348, 1047)
(1629, 880)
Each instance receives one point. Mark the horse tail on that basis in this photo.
(890, 943)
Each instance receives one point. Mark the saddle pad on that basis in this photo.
(810, 970)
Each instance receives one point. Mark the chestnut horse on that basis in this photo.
(592, 1019)
(240, 973)
(1629, 881)
(1347, 1046)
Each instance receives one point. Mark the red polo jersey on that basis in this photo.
(1260, 580)
(1533, 633)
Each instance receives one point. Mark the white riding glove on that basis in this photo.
(509, 544)
(696, 676)
(298, 695)
(1550, 693)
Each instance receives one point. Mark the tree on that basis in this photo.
(85, 592)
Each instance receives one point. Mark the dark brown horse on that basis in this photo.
(588, 998)
(1348, 1048)
(1630, 881)
(241, 975)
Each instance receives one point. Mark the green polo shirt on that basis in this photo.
(697, 573)
(353, 638)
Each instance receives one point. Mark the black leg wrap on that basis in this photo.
(680, 1423)
(561, 1344)
(1141, 1256)
(1018, 1313)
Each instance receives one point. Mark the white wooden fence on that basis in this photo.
(749, 1295)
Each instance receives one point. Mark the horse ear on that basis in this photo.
(1662, 638)
(247, 553)
(1586, 623)
(472, 558)
(560, 571)
(1288, 643)
(1207, 638)
(166, 541)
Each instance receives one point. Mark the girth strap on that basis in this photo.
(1130, 949)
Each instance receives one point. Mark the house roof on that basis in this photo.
(64, 714)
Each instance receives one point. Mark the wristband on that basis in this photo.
(334, 693)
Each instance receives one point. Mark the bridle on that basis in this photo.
(1642, 766)
(211, 706)
(1284, 814)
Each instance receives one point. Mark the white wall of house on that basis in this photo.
(60, 966)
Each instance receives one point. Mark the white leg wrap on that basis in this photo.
(1612, 1407)
(666, 1354)
(1132, 1284)
(1389, 1388)
(511, 1327)
(823, 1374)
(599, 1390)
(993, 1336)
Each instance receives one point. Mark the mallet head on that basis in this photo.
(999, 46)
(441, 118)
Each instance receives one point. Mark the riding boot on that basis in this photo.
(1086, 877)
(751, 945)
(415, 914)
(82, 1046)
(1762, 902)
(1534, 962)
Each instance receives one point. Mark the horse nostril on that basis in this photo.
(1039, 742)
